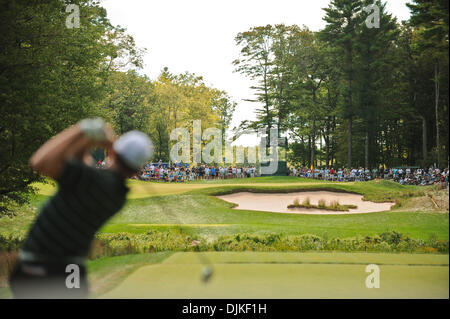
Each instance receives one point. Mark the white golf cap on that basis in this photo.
(134, 148)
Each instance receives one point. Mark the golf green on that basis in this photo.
(288, 275)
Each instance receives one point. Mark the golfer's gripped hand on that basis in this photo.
(99, 133)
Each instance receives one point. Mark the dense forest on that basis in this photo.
(347, 95)
(350, 95)
(51, 76)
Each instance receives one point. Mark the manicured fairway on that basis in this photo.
(148, 189)
(193, 208)
(289, 275)
(140, 189)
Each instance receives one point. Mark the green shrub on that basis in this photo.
(383, 247)
(152, 241)
(11, 242)
(116, 244)
(392, 238)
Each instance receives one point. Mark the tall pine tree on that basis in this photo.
(343, 18)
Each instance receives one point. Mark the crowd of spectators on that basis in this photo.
(176, 172)
(402, 175)
(181, 173)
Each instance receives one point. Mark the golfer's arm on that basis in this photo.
(50, 158)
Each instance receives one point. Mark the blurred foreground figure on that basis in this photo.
(51, 262)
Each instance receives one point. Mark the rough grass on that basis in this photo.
(147, 215)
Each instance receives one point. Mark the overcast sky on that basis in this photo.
(198, 35)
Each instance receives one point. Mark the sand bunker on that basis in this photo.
(278, 202)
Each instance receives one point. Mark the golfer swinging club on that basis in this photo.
(59, 241)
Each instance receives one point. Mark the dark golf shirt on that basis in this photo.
(87, 197)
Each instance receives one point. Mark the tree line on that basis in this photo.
(346, 95)
(51, 76)
(350, 95)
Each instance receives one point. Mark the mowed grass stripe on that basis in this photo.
(331, 263)
(142, 189)
(268, 280)
(311, 258)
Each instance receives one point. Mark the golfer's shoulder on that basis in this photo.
(109, 182)
(77, 171)
(74, 171)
